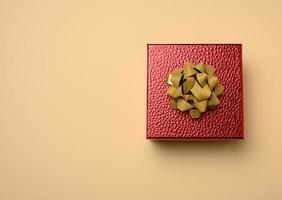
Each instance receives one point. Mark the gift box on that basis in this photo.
(226, 121)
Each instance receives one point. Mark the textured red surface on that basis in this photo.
(225, 122)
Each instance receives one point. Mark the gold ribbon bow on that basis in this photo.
(194, 88)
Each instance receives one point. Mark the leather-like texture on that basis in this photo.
(225, 122)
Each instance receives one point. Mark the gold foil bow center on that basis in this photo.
(194, 88)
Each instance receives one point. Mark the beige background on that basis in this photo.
(73, 106)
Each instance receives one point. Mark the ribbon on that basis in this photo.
(194, 88)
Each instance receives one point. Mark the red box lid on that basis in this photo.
(225, 122)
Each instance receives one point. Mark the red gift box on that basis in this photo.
(224, 122)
